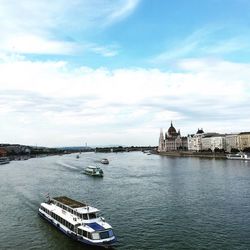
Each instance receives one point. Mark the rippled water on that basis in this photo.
(152, 202)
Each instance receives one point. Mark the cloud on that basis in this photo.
(125, 9)
(204, 42)
(106, 51)
(42, 98)
(30, 44)
(59, 27)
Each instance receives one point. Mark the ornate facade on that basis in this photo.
(172, 141)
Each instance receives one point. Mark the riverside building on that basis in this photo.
(243, 140)
(194, 140)
(172, 141)
(201, 141)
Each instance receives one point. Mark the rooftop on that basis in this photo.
(69, 202)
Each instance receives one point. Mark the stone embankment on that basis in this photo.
(194, 154)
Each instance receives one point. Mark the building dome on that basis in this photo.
(171, 130)
(200, 131)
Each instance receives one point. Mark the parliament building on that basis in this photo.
(172, 141)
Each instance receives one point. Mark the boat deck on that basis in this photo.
(69, 202)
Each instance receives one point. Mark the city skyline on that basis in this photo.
(107, 72)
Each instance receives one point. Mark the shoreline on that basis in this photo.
(193, 154)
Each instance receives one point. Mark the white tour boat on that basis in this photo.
(78, 221)
(4, 160)
(93, 171)
(238, 156)
(105, 161)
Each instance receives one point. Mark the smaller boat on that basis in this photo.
(105, 161)
(93, 171)
(238, 156)
(4, 160)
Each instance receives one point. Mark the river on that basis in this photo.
(152, 201)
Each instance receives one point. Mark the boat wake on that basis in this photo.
(28, 202)
(65, 165)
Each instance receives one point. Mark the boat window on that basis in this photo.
(95, 236)
(111, 234)
(104, 235)
(84, 233)
(79, 231)
(84, 216)
(92, 216)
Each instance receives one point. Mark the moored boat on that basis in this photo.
(238, 156)
(78, 220)
(4, 160)
(105, 161)
(93, 171)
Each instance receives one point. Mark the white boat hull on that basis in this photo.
(73, 235)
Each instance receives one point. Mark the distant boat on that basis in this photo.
(78, 220)
(4, 160)
(105, 161)
(93, 171)
(238, 156)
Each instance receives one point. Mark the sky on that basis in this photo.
(114, 72)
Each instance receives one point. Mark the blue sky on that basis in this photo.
(115, 72)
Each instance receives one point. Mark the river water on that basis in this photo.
(152, 201)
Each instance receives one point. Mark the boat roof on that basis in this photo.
(63, 214)
(87, 210)
(93, 167)
(69, 202)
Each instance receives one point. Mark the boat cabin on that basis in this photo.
(79, 209)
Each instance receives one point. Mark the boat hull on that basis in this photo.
(6, 162)
(95, 175)
(238, 159)
(74, 236)
(240, 156)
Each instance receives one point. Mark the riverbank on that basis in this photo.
(193, 154)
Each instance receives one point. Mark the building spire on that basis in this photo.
(161, 141)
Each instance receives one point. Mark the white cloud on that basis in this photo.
(59, 26)
(30, 44)
(42, 98)
(206, 41)
(126, 8)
